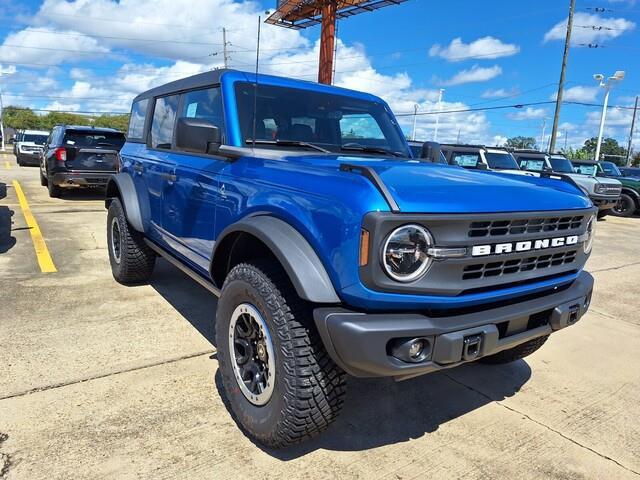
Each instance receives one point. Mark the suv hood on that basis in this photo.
(419, 187)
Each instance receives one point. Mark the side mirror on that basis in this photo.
(430, 152)
(482, 166)
(197, 135)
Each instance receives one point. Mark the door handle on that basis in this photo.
(170, 177)
(138, 168)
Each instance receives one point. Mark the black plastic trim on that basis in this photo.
(122, 182)
(370, 174)
(300, 261)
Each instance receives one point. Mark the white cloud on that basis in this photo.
(500, 93)
(472, 75)
(499, 140)
(579, 94)
(583, 33)
(528, 113)
(486, 47)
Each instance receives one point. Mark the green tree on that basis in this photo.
(609, 146)
(521, 142)
(20, 118)
(119, 122)
(635, 160)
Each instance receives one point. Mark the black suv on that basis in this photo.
(79, 156)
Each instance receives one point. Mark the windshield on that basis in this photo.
(334, 122)
(81, 139)
(501, 161)
(531, 163)
(585, 168)
(561, 165)
(611, 169)
(33, 138)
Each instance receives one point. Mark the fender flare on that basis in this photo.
(299, 259)
(632, 193)
(121, 185)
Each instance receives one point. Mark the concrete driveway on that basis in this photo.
(99, 380)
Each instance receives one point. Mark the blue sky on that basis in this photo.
(95, 55)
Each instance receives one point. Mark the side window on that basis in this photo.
(361, 126)
(136, 122)
(205, 104)
(466, 160)
(164, 119)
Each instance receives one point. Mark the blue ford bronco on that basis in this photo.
(331, 249)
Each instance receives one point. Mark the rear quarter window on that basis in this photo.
(136, 122)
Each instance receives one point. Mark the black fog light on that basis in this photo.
(413, 350)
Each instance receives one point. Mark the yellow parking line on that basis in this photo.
(42, 252)
(8, 165)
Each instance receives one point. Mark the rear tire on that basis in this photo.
(307, 389)
(43, 180)
(132, 261)
(515, 353)
(54, 190)
(625, 207)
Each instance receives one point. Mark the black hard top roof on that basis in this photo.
(195, 81)
(89, 128)
(591, 162)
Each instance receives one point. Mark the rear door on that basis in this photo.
(95, 151)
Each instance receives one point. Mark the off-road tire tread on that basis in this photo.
(137, 258)
(315, 386)
(515, 353)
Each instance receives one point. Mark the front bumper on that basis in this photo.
(81, 179)
(360, 342)
(30, 158)
(604, 202)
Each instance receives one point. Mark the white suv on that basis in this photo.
(30, 146)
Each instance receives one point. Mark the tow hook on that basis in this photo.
(574, 311)
(471, 347)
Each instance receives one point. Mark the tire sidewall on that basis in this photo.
(629, 203)
(261, 420)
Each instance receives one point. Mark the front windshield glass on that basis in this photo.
(338, 123)
(531, 163)
(585, 169)
(561, 165)
(501, 161)
(33, 138)
(611, 169)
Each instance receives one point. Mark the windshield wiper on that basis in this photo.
(287, 143)
(362, 148)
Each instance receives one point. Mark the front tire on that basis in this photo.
(515, 353)
(625, 207)
(132, 261)
(305, 391)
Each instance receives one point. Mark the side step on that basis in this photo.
(181, 266)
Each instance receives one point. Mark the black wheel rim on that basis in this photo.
(622, 206)
(116, 246)
(252, 354)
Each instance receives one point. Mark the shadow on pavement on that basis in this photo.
(377, 412)
(82, 194)
(7, 241)
(195, 303)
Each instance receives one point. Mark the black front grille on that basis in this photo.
(499, 228)
(495, 269)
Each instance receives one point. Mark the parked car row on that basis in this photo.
(607, 187)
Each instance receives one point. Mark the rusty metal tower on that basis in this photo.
(299, 14)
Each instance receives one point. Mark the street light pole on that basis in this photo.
(435, 132)
(1, 120)
(415, 117)
(617, 77)
(633, 126)
(544, 128)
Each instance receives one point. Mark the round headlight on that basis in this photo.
(590, 233)
(405, 254)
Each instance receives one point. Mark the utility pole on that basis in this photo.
(224, 48)
(563, 70)
(415, 117)
(1, 120)
(435, 132)
(335, 56)
(633, 126)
